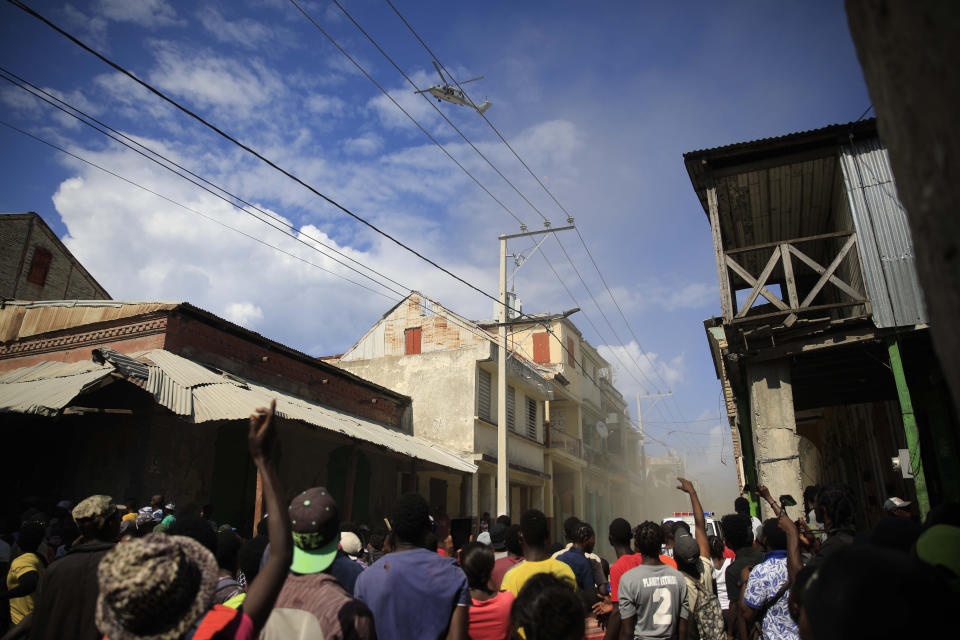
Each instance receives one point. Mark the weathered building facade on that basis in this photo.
(35, 264)
(592, 451)
(822, 346)
(571, 449)
(448, 365)
(136, 398)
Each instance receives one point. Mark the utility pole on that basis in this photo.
(503, 487)
(643, 449)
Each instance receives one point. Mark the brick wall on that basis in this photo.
(323, 384)
(438, 332)
(66, 279)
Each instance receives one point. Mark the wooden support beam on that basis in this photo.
(791, 283)
(760, 284)
(726, 299)
(820, 307)
(827, 274)
(743, 273)
(767, 245)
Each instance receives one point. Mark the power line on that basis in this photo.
(397, 104)
(419, 126)
(552, 196)
(480, 153)
(190, 209)
(34, 90)
(171, 101)
(452, 316)
(416, 88)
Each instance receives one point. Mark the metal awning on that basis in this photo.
(197, 393)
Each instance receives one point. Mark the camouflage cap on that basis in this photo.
(94, 507)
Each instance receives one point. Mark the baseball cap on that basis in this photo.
(498, 537)
(97, 506)
(172, 506)
(350, 543)
(894, 503)
(686, 548)
(315, 522)
(484, 538)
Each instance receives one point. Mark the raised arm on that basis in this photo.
(699, 522)
(764, 493)
(794, 561)
(265, 588)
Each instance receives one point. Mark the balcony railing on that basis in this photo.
(557, 439)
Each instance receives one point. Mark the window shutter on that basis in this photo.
(39, 266)
(483, 395)
(511, 408)
(571, 353)
(411, 341)
(531, 418)
(541, 347)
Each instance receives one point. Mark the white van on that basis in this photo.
(712, 526)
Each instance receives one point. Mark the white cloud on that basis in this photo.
(636, 371)
(244, 31)
(324, 105)
(146, 13)
(365, 145)
(92, 30)
(246, 314)
(231, 87)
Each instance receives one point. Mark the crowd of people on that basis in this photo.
(105, 570)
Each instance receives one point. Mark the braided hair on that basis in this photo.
(583, 533)
(648, 538)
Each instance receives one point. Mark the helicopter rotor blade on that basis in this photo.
(437, 67)
(471, 80)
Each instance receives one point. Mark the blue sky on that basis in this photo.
(599, 99)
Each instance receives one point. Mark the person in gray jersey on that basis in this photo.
(652, 596)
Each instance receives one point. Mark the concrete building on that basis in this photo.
(131, 399)
(592, 452)
(35, 264)
(448, 365)
(571, 448)
(822, 346)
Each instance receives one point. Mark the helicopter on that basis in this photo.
(452, 94)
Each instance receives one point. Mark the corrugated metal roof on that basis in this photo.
(45, 389)
(883, 235)
(197, 394)
(788, 138)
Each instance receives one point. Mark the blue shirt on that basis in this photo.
(345, 571)
(764, 583)
(582, 570)
(412, 594)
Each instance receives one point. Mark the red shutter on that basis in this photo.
(571, 354)
(411, 341)
(541, 347)
(39, 266)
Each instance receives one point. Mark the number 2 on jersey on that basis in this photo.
(663, 614)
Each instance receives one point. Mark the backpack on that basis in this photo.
(708, 616)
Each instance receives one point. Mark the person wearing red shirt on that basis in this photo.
(489, 615)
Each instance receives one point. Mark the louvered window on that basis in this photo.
(483, 396)
(511, 408)
(531, 418)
